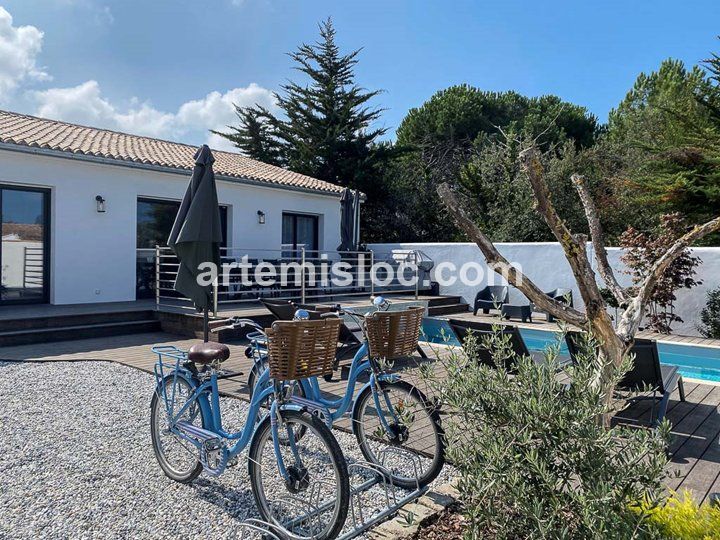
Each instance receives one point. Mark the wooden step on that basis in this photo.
(85, 331)
(445, 301)
(81, 319)
(447, 309)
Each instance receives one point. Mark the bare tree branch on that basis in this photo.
(573, 245)
(630, 320)
(598, 240)
(501, 265)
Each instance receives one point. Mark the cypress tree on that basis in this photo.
(325, 128)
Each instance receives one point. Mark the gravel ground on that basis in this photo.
(76, 460)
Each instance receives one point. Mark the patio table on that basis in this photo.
(524, 312)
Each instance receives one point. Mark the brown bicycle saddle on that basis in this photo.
(205, 353)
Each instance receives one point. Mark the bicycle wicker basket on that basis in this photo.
(301, 349)
(394, 334)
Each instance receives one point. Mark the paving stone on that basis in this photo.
(436, 501)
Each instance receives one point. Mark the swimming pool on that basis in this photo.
(692, 361)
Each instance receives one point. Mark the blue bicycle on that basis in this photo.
(387, 413)
(300, 484)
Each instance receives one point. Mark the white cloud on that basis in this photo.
(85, 104)
(216, 110)
(19, 49)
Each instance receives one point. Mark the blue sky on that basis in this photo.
(173, 68)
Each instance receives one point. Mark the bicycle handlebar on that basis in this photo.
(237, 322)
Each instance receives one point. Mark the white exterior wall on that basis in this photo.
(545, 264)
(93, 255)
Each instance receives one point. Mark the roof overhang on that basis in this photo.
(46, 152)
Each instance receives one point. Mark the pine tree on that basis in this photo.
(670, 125)
(326, 126)
(255, 137)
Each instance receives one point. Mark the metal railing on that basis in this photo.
(296, 273)
(33, 266)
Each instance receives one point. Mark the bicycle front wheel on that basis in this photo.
(404, 435)
(313, 501)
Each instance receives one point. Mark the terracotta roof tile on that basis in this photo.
(24, 130)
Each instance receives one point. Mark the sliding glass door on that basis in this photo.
(299, 231)
(24, 244)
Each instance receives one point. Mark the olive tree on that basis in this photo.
(614, 342)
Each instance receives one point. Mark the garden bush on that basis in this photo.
(710, 315)
(533, 457)
(681, 518)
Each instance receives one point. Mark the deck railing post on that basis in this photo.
(215, 298)
(24, 272)
(372, 281)
(417, 274)
(302, 274)
(157, 277)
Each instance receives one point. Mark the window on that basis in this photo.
(155, 219)
(300, 230)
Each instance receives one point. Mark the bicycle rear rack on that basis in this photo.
(375, 483)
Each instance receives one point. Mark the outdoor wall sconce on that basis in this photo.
(261, 217)
(100, 203)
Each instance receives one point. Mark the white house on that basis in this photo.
(80, 207)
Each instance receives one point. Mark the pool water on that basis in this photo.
(692, 361)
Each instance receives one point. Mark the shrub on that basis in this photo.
(710, 315)
(533, 458)
(642, 250)
(681, 518)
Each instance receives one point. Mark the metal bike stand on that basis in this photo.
(374, 478)
(260, 529)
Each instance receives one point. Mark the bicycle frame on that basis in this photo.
(207, 396)
(335, 409)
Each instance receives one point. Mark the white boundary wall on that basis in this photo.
(545, 264)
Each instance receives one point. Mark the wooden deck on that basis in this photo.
(696, 422)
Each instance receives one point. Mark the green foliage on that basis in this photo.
(464, 125)
(504, 201)
(642, 250)
(255, 136)
(462, 113)
(681, 518)
(669, 125)
(710, 315)
(533, 458)
(326, 129)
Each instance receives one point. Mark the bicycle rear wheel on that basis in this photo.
(177, 458)
(314, 503)
(413, 448)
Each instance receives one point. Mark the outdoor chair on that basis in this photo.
(283, 310)
(563, 296)
(483, 331)
(491, 297)
(647, 373)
